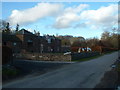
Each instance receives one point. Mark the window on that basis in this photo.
(49, 40)
(29, 44)
(51, 50)
(42, 48)
(29, 40)
(14, 44)
(58, 49)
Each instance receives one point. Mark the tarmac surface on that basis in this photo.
(77, 75)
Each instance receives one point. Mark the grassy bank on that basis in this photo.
(89, 58)
(93, 57)
(9, 73)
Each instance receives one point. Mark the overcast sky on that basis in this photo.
(87, 19)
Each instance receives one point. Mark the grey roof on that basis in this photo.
(23, 31)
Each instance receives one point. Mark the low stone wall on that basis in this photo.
(78, 56)
(56, 56)
(45, 56)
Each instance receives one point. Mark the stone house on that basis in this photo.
(54, 44)
(26, 42)
(65, 48)
(43, 44)
(12, 42)
(30, 42)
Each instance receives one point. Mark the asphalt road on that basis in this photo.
(34, 66)
(78, 75)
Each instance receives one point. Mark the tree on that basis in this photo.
(3, 25)
(109, 39)
(114, 41)
(91, 42)
(115, 30)
(65, 42)
(17, 27)
(77, 39)
(105, 35)
(76, 44)
(119, 41)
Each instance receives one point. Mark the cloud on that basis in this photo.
(104, 17)
(30, 30)
(69, 16)
(76, 9)
(80, 25)
(66, 17)
(66, 20)
(30, 15)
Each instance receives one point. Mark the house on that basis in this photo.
(24, 41)
(30, 42)
(54, 44)
(43, 44)
(12, 42)
(65, 48)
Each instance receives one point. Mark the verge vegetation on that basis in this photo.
(92, 57)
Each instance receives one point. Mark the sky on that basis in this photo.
(86, 19)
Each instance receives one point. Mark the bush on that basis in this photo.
(9, 73)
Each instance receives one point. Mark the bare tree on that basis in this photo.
(3, 25)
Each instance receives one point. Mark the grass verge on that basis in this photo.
(89, 58)
(93, 57)
(118, 68)
(9, 73)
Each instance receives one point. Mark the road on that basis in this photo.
(34, 66)
(78, 75)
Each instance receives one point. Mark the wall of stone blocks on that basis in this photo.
(45, 56)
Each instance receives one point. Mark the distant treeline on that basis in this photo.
(107, 40)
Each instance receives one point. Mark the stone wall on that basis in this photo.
(78, 56)
(45, 56)
(56, 56)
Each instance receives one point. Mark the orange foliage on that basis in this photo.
(100, 49)
(97, 48)
(76, 49)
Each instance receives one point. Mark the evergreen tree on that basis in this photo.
(17, 27)
(7, 28)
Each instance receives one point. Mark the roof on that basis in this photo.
(23, 31)
(51, 37)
